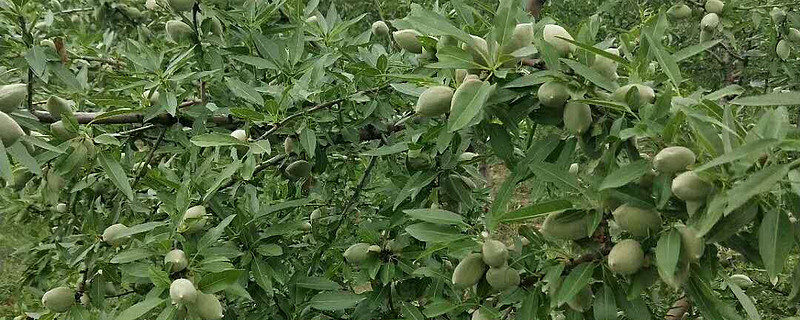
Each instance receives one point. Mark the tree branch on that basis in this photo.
(678, 309)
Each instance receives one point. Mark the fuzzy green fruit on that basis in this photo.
(626, 257)
(582, 301)
(61, 208)
(357, 253)
(460, 74)
(10, 131)
(182, 291)
(408, 40)
(58, 106)
(208, 307)
(178, 31)
(553, 94)
(680, 11)
(502, 278)
(495, 253)
(553, 33)
(315, 215)
(288, 145)
(181, 5)
(778, 15)
(21, 177)
(60, 132)
(434, 101)
(706, 36)
(481, 315)
(178, 260)
(640, 222)
(606, 66)
(710, 22)
(478, 49)
(49, 45)
(783, 50)
(153, 98)
(741, 280)
(793, 35)
(559, 226)
(113, 235)
(577, 117)
(380, 29)
(645, 93)
(240, 135)
(573, 168)
(692, 245)
(217, 28)
(469, 271)
(673, 159)
(521, 37)
(12, 96)
(688, 186)
(59, 299)
(299, 169)
(193, 220)
(714, 6)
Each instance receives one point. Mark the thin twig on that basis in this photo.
(143, 169)
(135, 130)
(103, 60)
(121, 294)
(74, 10)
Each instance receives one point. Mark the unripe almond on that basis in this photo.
(778, 15)
(478, 49)
(178, 31)
(577, 117)
(741, 280)
(182, 291)
(714, 6)
(59, 299)
(10, 131)
(61, 207)
(178, 260)
(495, 253)
(606, 66)
(181, 5)
(408, 40)
(640, 222)
(680, 11)
(12, 96)
(469, 271)
(553, 94)
(645, 93)
(502, 278)
(357, 253)
(673, 159)
(299, 169)
(380, 29)
(58, 106)
(692, 245)
(208, 307)
(434, 101)
(793, 35)
(240, 135)
(288, 145)
(521, 37)
(783, 50)
(626, 257)
(688, 186)
(60, 132)
(553, 34)
(556, 226)
(710, 22)
(113, 235)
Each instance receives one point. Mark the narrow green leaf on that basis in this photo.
(216, 140)
(115, 173)
(760, 182)
(577, 279)
(744, 300)
(317, 283)
(668, 250)
(534, 211)
(690, 51)
(429, 232)
(744, 151)
(244, 91)
(625, 174)
(339, 300)
(667, 62)
(137, 310)
(605, 305)
(467, 105)
(591, 75)
(216, 282)
(772, 99)
(436, 216)
(775, 241)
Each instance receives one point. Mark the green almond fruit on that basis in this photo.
(783, 50)
(502, 278)
(688, 186)
(714, 6)
(58, 106)
(10, 131)
(645, 94)
(60, 131)
(778, 15)
(577, 117)
(408, 40)
(193, 220)
(606, 66)
(178, 260)
(113, 235)
(469, 271)
(178, 31)
(626, 257)
(181, 5)
(315, 215)
(640, 222)
(12, 96)
(673, 159)
(434, 101)
(480, 315)
(706, 36)
(49, 45)
(208, 307)
(357, 253)
(561, 226)
(710, 22)
(495, 253)
(680, 11)
(288, 145)
(521, 37)
(793, 35)
(741, 280)
(240, 135)
(553, 33)
(692, 244)
(553, 94)
(478, 49)
(460, 75)
(59, 299)
(61, 208)
(299, 169)
(380, 29)
(182, 291)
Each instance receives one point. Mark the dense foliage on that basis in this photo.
(291, 160)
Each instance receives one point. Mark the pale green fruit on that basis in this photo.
(61, 207)
(408, 40)
(478, 49)
(59, 299)
(645, 93)
(467, 156)
(688, 186)
(460, 75)
(710, 22)
(60, 132)
(469, 271)
(113, 235)
(673, 159)
(741, 280)
(380, 29)
(181, 5)
(793, 35)
(10, 131)
(299, 169)
(521, 37)
(783, 50)
(626, 257)
(582, 301)
(640, 222)
(178, 260)
(58, 106)
(778, 15)
(178, 31)
(553, 34)
(357, 253)
(706, 36)
(479, 315)
(553, 94)
(85, 300)
(557, 226)
(48, 44)
(217, 28)
(152, 98)
(692, 245)
(714, 6)
(606, 66)
(315, 215)
(194, 219)
(573, 169)
(577, 117)
(182, 291)
(150, 5)
(434, 101)
(240, 135)
(312, 20)
(208, 307)
(495, 253)
(502, 278)
(288, 145)
(305, 226)
(680, 11)
(12, 96)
